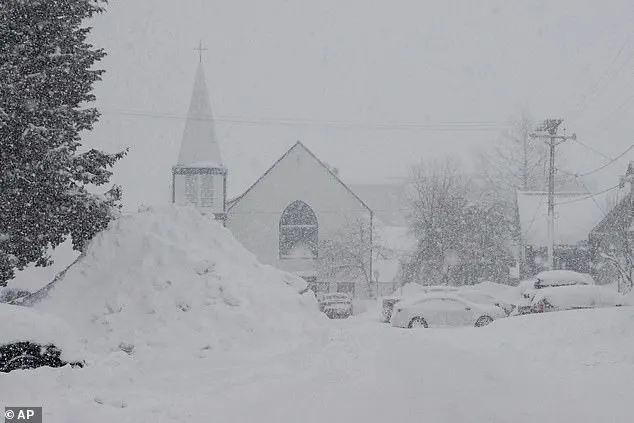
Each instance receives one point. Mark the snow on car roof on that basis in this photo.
(476, 296)
(449, 296)
(431, 296)
(24, 324)
(554, 277)
(581, 296)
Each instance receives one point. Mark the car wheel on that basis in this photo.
(23, 362)
(483, 321)
(417, 322)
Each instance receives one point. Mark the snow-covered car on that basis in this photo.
(479, 297)
(30, 339)
(548, 279)
(576, 297)
(444, 310)
(336, 305)
(389, 302)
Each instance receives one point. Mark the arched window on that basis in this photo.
(298, 232)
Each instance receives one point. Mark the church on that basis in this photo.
(291, 217)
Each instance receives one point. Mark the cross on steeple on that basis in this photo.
(200, 50)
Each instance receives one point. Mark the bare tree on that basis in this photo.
(622, 260)
(346, 256)
(516, 162)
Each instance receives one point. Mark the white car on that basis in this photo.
(548, 279)
(30, 338)
(576, 297)
(553, 278)
(389, 302)
(444, 310)
(479, 297)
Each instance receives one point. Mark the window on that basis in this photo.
(206, 190)
(347, 287)
(298, 232)
(191, 189)
(199, 190)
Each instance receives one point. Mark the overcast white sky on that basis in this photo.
(369, 61)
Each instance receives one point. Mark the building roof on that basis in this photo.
(615, 218)
(575, 216)
(200, 143)
(388, 201)
(231, 203)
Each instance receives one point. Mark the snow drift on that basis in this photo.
(21, 324)
(169, 277)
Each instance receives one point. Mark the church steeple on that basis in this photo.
(200, 143)
(199, 177)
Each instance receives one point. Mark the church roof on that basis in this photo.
(200, 144)
(298, 144)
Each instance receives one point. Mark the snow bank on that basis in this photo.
(21, 324)
(169, 277)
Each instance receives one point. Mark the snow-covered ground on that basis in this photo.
(183, 324)
(575, 366)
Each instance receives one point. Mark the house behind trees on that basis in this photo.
(575, 216)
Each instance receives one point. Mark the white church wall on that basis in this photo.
(255, 219)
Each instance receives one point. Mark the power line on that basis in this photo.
(593, 197)
(578, 179)
(624, 106)
(589, 196)
(601, 167)
(594, 150)
(325, 211)
(595, 86)
(437, 126)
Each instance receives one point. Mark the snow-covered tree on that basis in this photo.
(614, 245)
(346, 256)
(461, 238)
(46, 82)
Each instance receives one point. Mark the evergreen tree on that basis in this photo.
(46, 82)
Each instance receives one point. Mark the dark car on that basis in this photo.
(337, 305)
(31, 339)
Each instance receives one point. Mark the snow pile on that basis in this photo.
(22, 324)
(169, 277)
(566, 297)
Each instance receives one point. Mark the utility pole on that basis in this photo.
(548, 132)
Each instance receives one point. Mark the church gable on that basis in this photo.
(300, 172)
